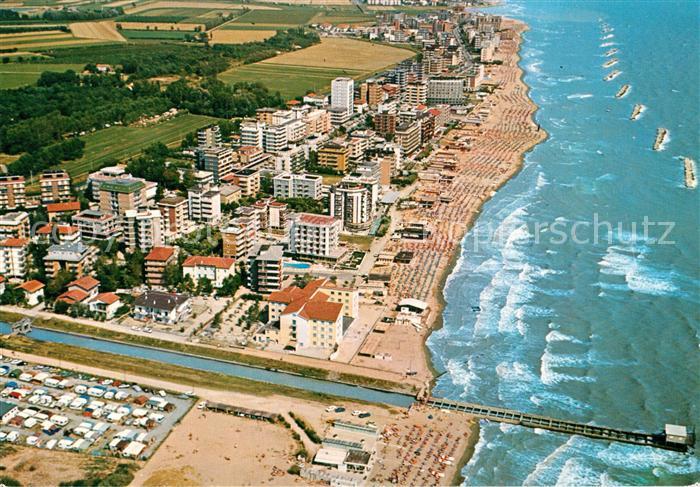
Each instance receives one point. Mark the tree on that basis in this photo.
(57, 285)
(230, 285)
(13, 295)
(172, 276)
(186, 285)
(61, 307)
(204, 286)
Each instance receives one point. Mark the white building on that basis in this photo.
(216, 269)
(143, 229)
(161, 307)
(13, 257)
(446, 90)
(315, 235)
(287, 185)
(204, 204)
(343, 94)
(216, 160)
(354, 201)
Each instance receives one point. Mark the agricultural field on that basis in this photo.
(223, 36)
(287, 16)
(162, 26)
(312, 69)
(195, 5)
(353, 16)
(104, 30)
(342, 53)
(30, 41)
(170, 35)
(14, 75)
(120, 143)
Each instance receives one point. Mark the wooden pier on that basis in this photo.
(674, 437)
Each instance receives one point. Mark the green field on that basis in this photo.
(14, 75)
(343, 17)
(155, 34)
(119, 143)
(290, 81)
(284, 16)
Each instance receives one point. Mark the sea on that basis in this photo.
(577, 292)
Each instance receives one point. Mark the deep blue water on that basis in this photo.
(603, 330)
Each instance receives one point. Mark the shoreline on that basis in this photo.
(439, 291)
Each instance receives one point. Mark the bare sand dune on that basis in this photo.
(105, 30)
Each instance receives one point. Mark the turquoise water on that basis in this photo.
(602, 330)
(297, 265)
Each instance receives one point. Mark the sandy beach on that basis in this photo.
(474, 161)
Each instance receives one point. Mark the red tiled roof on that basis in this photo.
(107, 298)
(72, 297)
(62, 229)
(200, 260)
(14, 242)
(322, 310)
(58, 207)
(86, 283)
(2, 278)
(32, 286)
(160, 254)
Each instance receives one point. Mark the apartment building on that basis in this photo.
(204, 204)
(62, 211)
(354, 202)
(288, 185)
(55, 186)
(209, 136)
(216, 269)
(155, 263)
(74, 257)
(416, 93)
(95, 179)
(385, 122)
(174, 210)
(14, 255)
(292, 159)
(241, 235)
(97, 225)
(317, 122)
(408, 136)
(315, 236)
(343, 94)
(14, 225)
(51, 233)
(143, 229)
(117, 196)
(447, 90)
(265, 268)
(248, 180)
(252, 133)
(12, 192)
(334, 156)
(308, 320)
(216, 160)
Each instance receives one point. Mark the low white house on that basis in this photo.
(33, 292)
(162, 307)
(216, 269)
(106, 304)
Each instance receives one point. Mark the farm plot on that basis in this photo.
(312, 69)
(343, 54)
(196, 5)
(284, 16)
(222, 36)
(162, 26)
(175, 35)
(30, 41)
(14, 75)
(105, 30)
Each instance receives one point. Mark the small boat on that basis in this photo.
(623, 91)
(661, 135)
(610, 63)
(612, 52)
(691, 178)
(476, 308)
(613, 75)
(637, 111)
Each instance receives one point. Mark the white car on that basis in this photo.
(202, 405)
(162, 393)
(356, 412)
(331, 409)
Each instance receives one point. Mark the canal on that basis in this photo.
(212, 365)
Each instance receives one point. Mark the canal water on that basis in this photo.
(212, 365)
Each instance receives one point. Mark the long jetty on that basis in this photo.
(677, 438)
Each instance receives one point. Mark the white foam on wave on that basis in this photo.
(561, 401)
(542, 181)
(534, 67)
(462, 376)
(557, 336)
(645, 459)
(539, 476)
(550, 361)
(630, 262)
(580, 96)
(575, 472)
(570, 79)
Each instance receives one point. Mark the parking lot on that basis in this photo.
(52, 408)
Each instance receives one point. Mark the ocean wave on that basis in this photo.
(570, 79)
(557, 336)
(549, 361)
(580, 96)
(639, 276)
